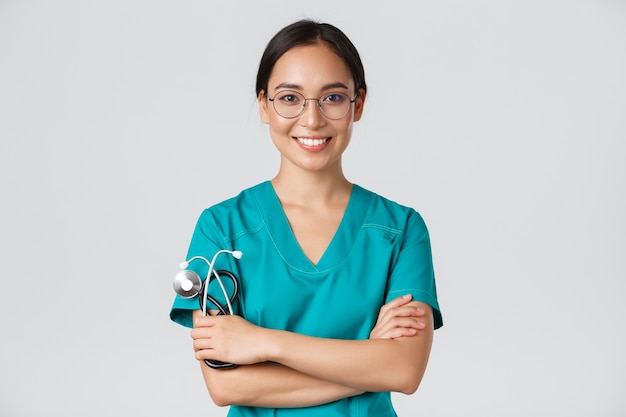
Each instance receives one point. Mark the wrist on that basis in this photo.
(274, 345)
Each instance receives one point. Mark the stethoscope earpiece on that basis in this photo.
(187, 283)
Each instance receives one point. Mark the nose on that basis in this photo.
(312, 114)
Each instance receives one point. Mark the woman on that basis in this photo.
(337, 302)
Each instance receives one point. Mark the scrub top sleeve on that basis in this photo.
(413, 271)
(205, 242)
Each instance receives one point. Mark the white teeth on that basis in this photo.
(312, 142)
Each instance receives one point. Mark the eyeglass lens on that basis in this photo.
(290, 104)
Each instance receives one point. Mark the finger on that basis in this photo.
(202, 344)
(410, 322)
(403, 311)
(395, 304)
(204, 354)
(404, 322)
(200, 333)
(406, 311)
(398, 301)
(409, 311)
(397, 323)
(401, 332)
(203, 321)
(395, 333)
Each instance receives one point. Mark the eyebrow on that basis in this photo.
(299, 87)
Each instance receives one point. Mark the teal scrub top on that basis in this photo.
(380, 251)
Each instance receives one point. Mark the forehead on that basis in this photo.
(310, 67)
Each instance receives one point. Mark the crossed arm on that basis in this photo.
(285, 369)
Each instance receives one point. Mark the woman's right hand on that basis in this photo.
(397, 319)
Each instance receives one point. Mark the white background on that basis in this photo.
(503, 123)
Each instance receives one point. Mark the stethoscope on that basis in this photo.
(187, 284)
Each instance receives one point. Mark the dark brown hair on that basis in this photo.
(308, 32)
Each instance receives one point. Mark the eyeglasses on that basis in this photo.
(291, 104)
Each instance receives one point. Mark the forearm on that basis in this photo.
(367, 365)
(271, 385)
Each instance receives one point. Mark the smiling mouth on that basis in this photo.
(312, 142)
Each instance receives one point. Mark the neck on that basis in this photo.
(311, 188)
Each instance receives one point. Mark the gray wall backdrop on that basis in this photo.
(502, 122)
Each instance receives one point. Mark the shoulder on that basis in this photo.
(244, 199)
(237, 213)
(384, 211)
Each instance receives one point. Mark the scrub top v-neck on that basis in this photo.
(286, 243)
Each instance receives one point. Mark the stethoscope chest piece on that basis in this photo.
(187, 283)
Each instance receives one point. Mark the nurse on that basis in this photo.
(337, 303)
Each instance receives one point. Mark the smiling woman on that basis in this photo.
(311, 71)
(303, 235)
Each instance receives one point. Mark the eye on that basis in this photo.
(334, 98)
(289, 98)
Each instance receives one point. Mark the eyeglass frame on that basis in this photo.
(319, 105)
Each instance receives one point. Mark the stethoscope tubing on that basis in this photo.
(222, 309)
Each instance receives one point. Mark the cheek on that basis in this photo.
(279, 130)
(279, 124)
(349, 131)
(345, 127)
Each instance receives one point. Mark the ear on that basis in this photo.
(263, 110)
(359, 102)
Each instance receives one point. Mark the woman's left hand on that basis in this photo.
(398, 318)
(229, 339)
